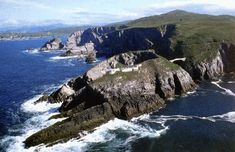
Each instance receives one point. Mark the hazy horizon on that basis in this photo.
(20, 13)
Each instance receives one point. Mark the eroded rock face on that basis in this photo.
(85, 41)
(228, 55)
(81, 51)
(143, 82)
(110, 41)
(211, 69)
(54, 44)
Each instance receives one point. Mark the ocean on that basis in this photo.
(202, 121)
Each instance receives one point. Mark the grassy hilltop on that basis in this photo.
(197, 35)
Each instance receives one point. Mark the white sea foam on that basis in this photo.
(102, 134)
(191, 92)
(33, 51)
(30, 106)
(42, 111)
(63, 57)
(231, 82)
(230, 117)
(32, 125)
(227, 91)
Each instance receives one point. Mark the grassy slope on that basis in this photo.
(159, 65)
(198, 35)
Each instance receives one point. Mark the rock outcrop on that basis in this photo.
(227, 51)
(83, 42)
(141, 83)
(91, 57)
(54, 44)
(110, 41)
(211, 69)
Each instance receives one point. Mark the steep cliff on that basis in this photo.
(211, 69)
(110, 41)
(86, 41)
(123, 86)
(227, 51)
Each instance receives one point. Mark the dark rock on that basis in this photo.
(97, 96)
(110, 41)
(91, 57)
(227, 51)
(211, 69)
(54, 44)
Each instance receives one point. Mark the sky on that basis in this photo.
(98, 12)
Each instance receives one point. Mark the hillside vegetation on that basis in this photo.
(197, 36)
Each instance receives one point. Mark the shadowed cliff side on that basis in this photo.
(111, 41)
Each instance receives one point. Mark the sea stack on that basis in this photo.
(54, 44)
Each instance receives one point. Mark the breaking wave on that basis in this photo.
(227, 91)
(30, 107)
(63, 57)
(134, 129)
(41, 112)
(32, 51)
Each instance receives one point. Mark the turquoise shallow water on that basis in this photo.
(202, 121)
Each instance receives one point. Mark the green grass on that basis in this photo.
(159, 65)
(120, 65)
(156, 65)
(199, 34)
(118, 77)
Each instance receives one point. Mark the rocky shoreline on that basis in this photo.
(100, 95)
(142, 71)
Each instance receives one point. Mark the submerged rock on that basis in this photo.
(140, 83)
(54, 44)
(91, 57)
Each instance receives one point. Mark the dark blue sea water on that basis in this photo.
(203, 121)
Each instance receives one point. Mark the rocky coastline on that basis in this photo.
(143, 70)
(142, 82)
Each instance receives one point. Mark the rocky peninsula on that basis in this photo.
(148, 62)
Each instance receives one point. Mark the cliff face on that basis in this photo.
(123, 86)
(227, 51)
(111, 41)
(85, 41)
(211, 69)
